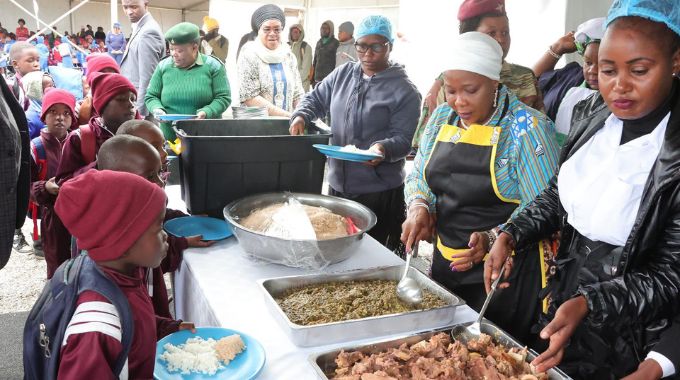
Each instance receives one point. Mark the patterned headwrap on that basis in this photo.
(267, 12)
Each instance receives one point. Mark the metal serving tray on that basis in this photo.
(327, 333)
(324, 362)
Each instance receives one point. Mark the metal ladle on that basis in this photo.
(474, 328)
(408, 289)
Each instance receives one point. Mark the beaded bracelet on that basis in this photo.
(552, 52)
(492, 235)
(417, 204)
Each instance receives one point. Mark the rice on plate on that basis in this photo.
(206, 356)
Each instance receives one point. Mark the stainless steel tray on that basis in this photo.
(327, 333)
(324, 362)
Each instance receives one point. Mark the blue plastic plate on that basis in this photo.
(245, 366)
(333, 151)
(210, 228)
(175, 117)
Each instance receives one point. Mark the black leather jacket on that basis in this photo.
(644, 287)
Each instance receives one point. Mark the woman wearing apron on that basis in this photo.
(616, 201)
(483, 156)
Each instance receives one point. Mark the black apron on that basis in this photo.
(461, 173)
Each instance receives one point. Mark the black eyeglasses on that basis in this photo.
(377, 47)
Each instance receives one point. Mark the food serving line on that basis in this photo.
(220, 286)
(223, 287)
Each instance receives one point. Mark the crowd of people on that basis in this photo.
(67, 49)
(565, 178)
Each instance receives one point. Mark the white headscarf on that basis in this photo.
(474, 52)
(589, 32)
(593, 29)
(32, 83)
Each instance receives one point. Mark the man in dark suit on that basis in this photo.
(144, 50)
(14, 169)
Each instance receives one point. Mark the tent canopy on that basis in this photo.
(192, 5)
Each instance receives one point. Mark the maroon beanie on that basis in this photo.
(58, 96)
(108, 211)
(105, 86)
(98, 62)
(474, 8)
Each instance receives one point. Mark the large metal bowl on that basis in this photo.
(299, 253)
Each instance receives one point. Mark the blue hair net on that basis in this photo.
(665, 11)
(379, 25)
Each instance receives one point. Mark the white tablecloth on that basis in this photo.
(218, 286)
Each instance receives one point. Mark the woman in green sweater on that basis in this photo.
(187, 82)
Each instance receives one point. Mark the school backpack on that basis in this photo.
(47, 322)
(40, 157)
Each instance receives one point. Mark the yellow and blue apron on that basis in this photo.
(461, 173)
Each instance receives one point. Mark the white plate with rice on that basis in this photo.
(211, 353)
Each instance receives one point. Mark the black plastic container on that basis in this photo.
(225, 160)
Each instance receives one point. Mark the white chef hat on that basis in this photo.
(474, 52)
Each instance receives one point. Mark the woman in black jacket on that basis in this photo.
(616, 201)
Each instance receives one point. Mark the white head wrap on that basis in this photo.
(32, 83)
(592, 29)
(475, 52)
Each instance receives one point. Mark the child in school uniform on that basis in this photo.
(24, 58)
(127, 152)
(96, 63)
(118, 219)
(113, 98)
(59, 118)
(35, 84)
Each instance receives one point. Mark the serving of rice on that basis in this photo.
(206, 356)
(352, 149)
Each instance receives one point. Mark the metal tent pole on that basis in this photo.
(114, 12)
(48, 26)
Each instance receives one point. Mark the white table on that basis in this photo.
(218, 286)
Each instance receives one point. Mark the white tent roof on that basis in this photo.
(194, 5)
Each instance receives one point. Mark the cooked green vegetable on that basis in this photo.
(342, 301)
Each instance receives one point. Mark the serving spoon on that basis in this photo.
(474, 329)
(408, 289)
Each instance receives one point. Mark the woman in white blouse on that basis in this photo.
(267, 69)
(616, 202)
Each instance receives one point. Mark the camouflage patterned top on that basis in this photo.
(522, 81)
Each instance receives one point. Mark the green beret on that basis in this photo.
(183, 33)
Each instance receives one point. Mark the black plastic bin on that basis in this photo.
(225, 160)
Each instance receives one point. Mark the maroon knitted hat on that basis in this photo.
(58, 96)
(108, 211)
(98, 62)
(105, 86)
